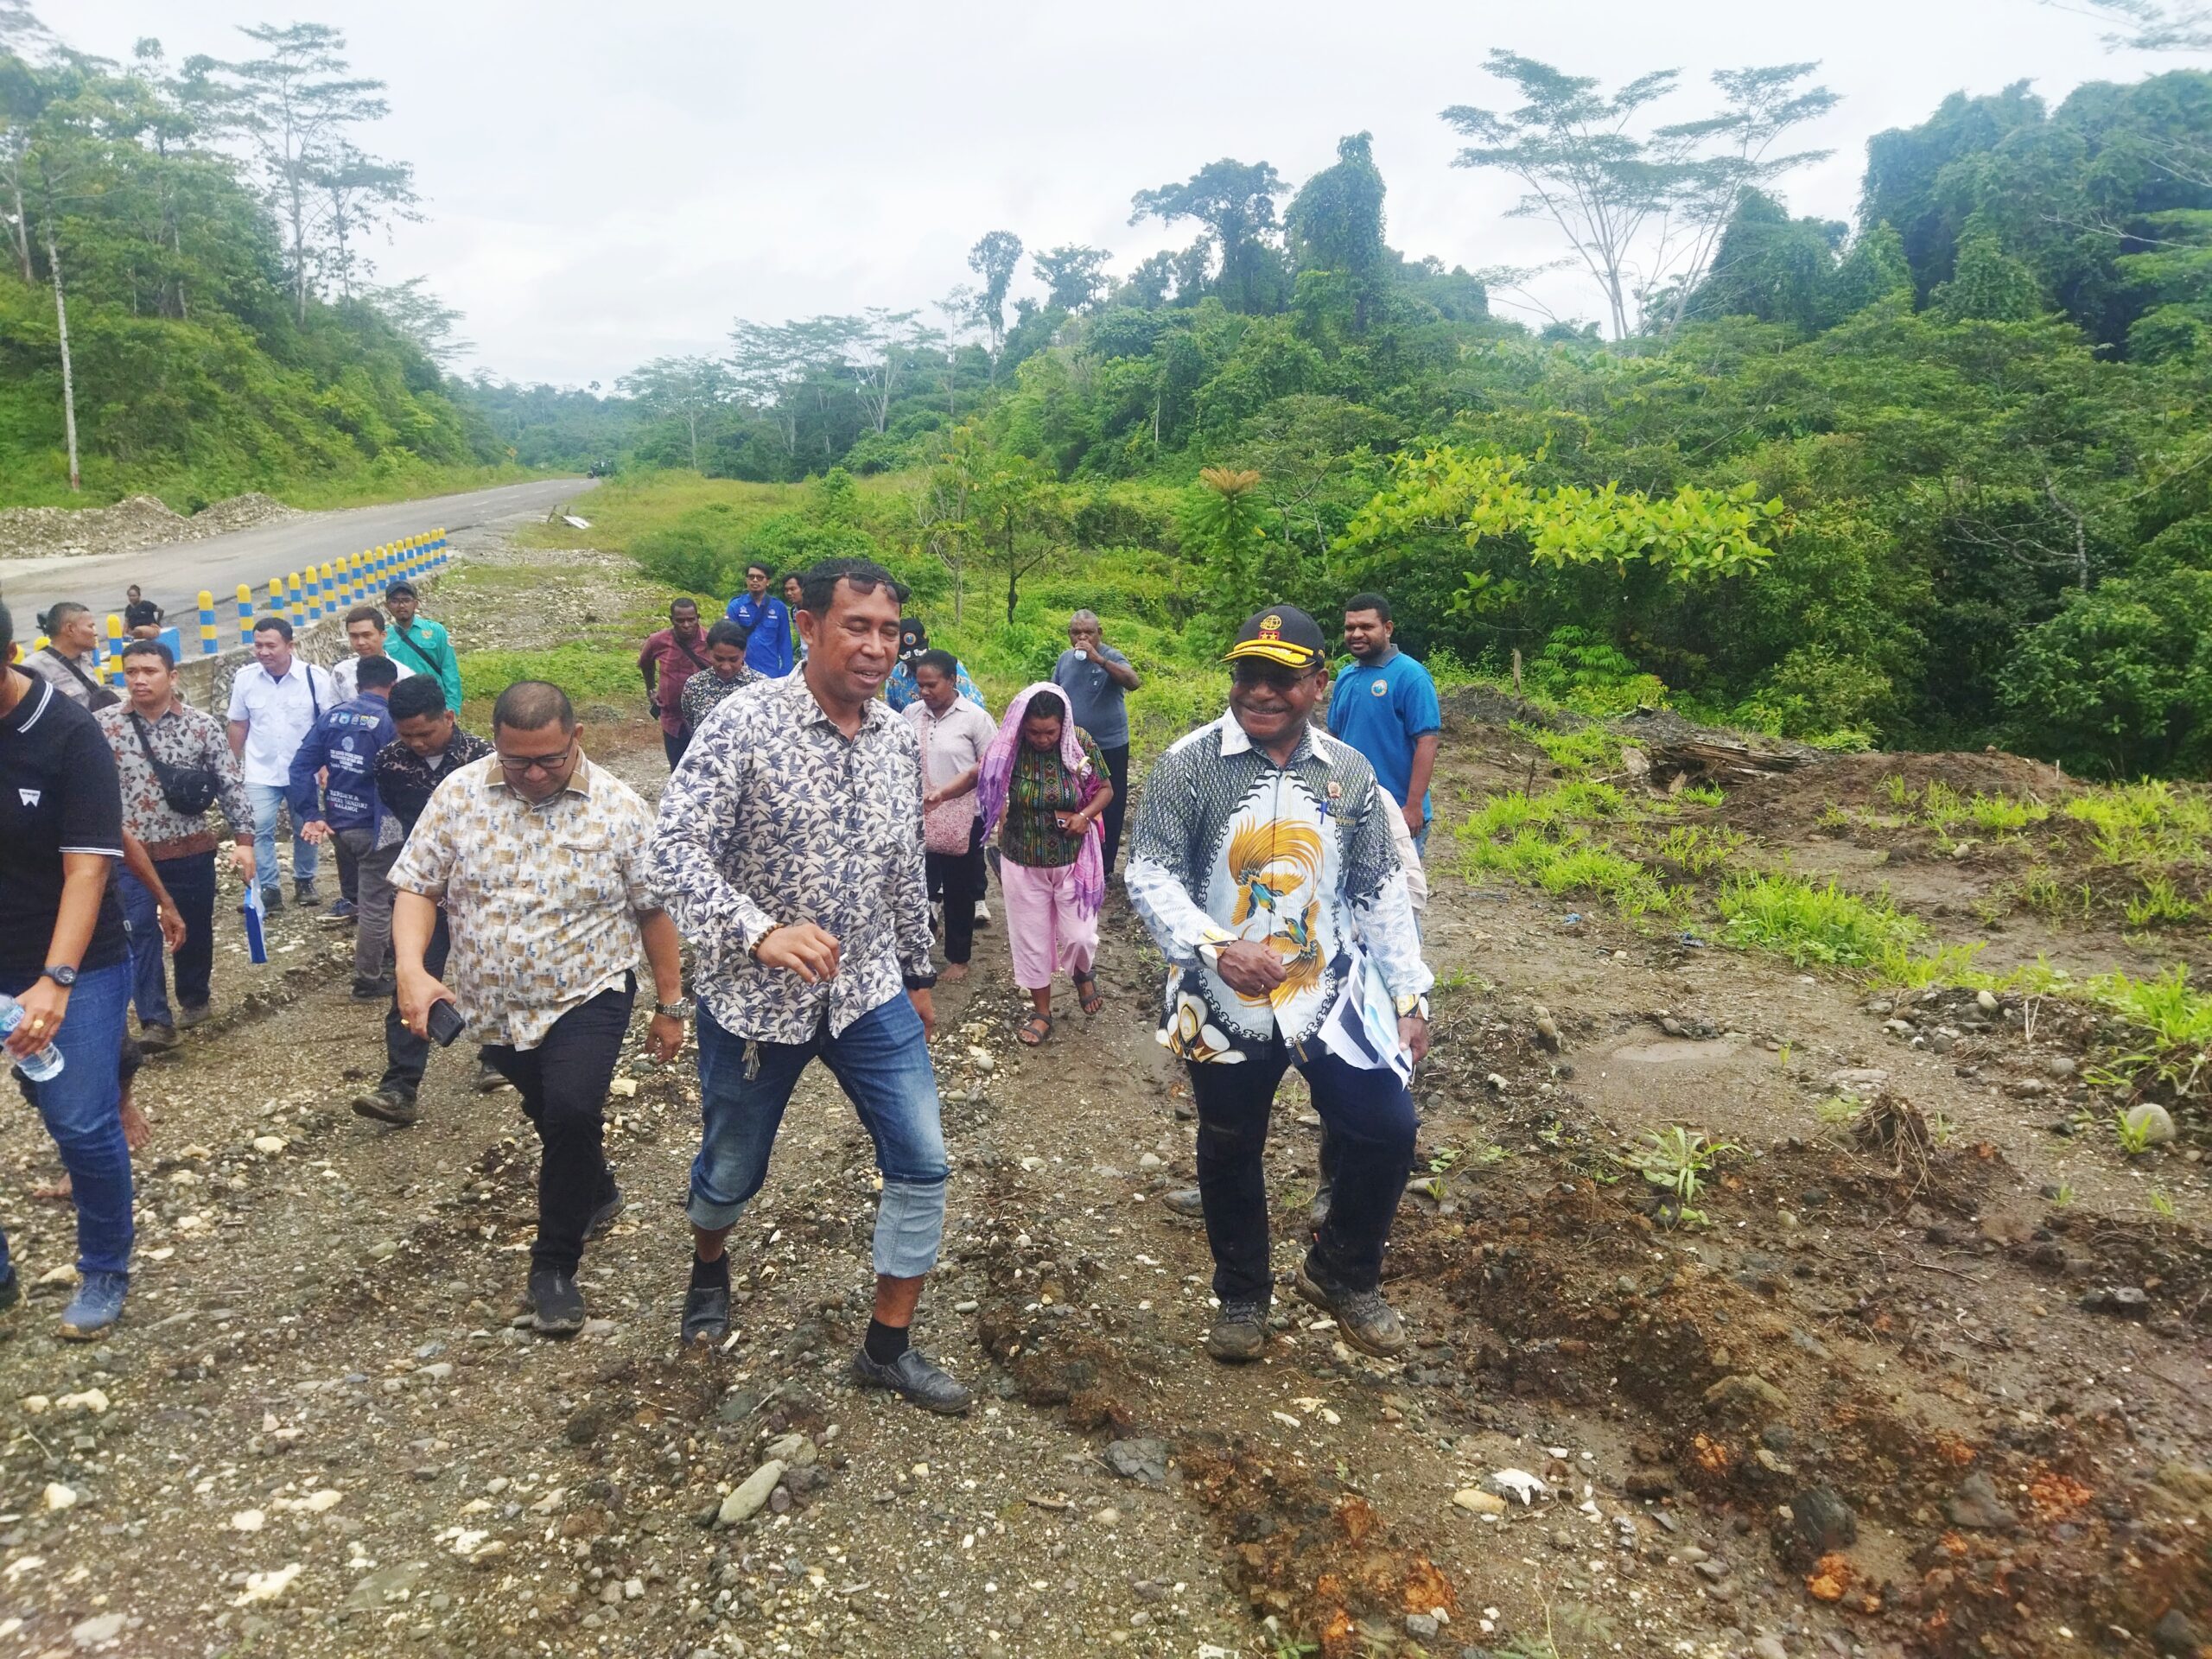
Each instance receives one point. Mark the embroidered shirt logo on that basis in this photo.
(28, 797)
(1381, 688)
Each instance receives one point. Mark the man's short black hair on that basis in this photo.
(680, 603)
(1374, 602)
(532, 706)
(274, 625)
(818, 589)
(378, 670)
(366, 613)
(417, 694)
(943, 661)
(150, 648)
(725, 632)
(762, 568)
(54, 616)
(7, 632)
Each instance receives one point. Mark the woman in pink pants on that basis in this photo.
(1042, 786)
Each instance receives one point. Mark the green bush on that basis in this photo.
(2121, 680)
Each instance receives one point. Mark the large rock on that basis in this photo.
(1823, 1520)
(1141, 1459)
(1746, 1395)
(745, 1502)
(1976, 1506)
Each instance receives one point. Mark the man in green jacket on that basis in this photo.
(420, 643)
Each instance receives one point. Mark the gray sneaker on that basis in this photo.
(1368, 1323)
(1240, 1331)
(386, 1104)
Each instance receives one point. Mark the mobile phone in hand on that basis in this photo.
(444, 1022)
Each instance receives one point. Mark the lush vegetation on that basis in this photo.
(186, 306)
(1938, 479)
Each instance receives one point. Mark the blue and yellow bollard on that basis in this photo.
(276, 596)
(323, 579)
(246, 614)
(114, 649)
(206, 623)
(290, 603)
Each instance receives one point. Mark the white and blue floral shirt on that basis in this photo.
(1229, 846)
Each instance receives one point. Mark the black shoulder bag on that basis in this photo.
(97, 697)
(190, 791)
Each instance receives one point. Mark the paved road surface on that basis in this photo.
(172, 576)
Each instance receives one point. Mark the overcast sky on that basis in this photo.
(603, 184)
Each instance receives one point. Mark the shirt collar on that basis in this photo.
(1234, 742)
(808, 708)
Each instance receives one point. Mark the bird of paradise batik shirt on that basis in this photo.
(1299, 857)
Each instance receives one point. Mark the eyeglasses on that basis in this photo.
(1269, 675)
(522, 767)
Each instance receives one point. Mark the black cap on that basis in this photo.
(913, 639)
(1281, 634)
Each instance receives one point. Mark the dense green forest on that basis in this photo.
(1938, 479)
(187, 302)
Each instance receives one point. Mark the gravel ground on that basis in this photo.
(1880, 1404)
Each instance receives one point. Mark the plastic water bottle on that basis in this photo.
(38, 1067)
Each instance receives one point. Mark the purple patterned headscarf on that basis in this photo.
(996, 778)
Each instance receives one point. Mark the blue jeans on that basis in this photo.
(150, 975)
(882, 1061)
(83, 1109)
(268, 800)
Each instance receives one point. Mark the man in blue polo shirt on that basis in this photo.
(1385, 706)
(768, 624)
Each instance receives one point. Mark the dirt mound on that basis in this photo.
(1787, 807)
(132, 522)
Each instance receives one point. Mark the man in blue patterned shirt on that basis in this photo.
(1263, 866)
(790, 851)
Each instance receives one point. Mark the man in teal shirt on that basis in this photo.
(1385, 707)
(420, 643)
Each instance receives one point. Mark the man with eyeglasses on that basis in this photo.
(1263, 865)
(541, 860)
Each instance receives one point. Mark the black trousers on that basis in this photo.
(674, 745)
(1110, 821)
(406, 1055)
(191, 882)
(563, 1086)
(1369, 1121)
(958, 878)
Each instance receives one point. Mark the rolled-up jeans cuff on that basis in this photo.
(909, 1226)
(715, 1218)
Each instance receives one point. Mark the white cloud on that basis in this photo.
(604, 185)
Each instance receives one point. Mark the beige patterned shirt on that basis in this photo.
(543, 899)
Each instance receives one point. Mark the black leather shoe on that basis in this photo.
(556, 1302)
(610, 1207)
(706, 1313)
(386, 1105)
(915, 1379)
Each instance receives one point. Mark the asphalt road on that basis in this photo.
(173, 574)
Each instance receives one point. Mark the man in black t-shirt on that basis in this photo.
(141, 615)
(65, 962)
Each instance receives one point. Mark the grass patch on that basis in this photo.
(587, 673)
(1806, 923)
(2150, 823)
(1591, 749)
(2165, 1008)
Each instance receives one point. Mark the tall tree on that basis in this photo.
(1236, 201)
(687, 389)
(885, 345)
(2150, 25)
(1335, 222)
(359, 192)
(1582, 167)
(995, 258)
(296, 105)
(1075, 277)
(423, 319)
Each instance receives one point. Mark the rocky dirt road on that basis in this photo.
(1864, 1410)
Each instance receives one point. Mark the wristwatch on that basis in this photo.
(62, 974)
(673, 1010)
(1412, 1007)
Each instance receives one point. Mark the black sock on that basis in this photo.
(884, 1342)
(710, 1275)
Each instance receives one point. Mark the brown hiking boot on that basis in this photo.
(1368, 1323)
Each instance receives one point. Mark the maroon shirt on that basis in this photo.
(672, 665)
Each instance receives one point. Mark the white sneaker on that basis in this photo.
(982, 912)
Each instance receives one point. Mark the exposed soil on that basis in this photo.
(135, 521)
(1927, 1380)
